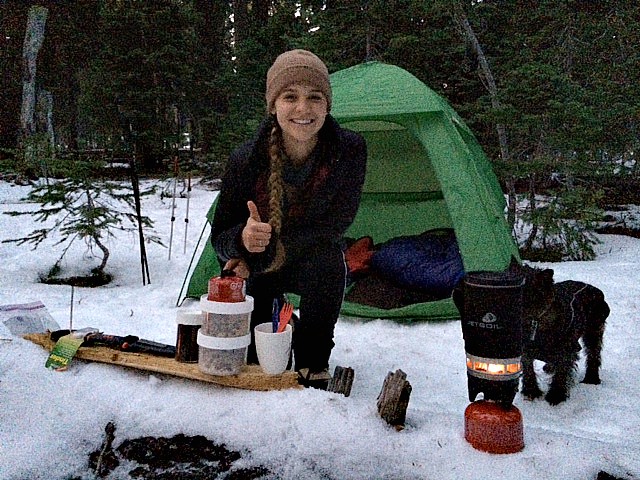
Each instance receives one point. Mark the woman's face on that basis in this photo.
(301, 111)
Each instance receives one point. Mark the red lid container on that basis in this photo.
(226, 288)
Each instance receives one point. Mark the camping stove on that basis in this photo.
(492, 332)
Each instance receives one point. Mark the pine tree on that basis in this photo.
(138, 82)
(78, 207)
(68, 48)
(548, 117)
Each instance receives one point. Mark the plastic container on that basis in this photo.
(224, 336)
(189, 323)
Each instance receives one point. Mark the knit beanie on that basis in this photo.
(297, 66)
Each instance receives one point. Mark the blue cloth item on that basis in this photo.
(429, 262)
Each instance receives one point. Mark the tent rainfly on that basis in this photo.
(425, 171)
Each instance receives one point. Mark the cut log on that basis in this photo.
(341, 381)
(394, 399)
(251, 378)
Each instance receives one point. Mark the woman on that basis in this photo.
(287, 198)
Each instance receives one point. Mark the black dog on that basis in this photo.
(556, 316)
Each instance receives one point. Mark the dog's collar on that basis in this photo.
(534, 329)
(534, 323)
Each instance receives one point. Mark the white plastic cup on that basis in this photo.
(273, 349)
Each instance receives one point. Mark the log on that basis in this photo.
(341, 381)
(394, 399)
(251, 378)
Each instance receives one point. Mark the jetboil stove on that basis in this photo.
(492, 332)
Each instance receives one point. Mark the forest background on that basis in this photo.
(550, 88)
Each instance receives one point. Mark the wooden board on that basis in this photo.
(251, 378)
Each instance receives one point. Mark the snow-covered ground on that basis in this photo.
(50, 421)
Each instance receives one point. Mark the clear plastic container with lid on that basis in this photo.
(224, 336)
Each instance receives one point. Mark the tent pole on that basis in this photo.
(186, 218)
(184, 282)
(173, 202)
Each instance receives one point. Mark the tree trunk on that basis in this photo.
(260, 12)
(44, 115)
(240, 21)
(99, 270)
(533, 233)
(33, 40)
(213, 31)
(487, 78)
(105, 255)
(490, 84)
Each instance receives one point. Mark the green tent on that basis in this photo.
(425, 170)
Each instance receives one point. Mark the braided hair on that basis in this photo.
(275, 185)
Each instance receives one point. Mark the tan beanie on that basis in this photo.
(297, 66)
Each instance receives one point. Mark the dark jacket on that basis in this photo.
(319, 220)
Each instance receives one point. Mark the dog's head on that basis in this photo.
(537, 293)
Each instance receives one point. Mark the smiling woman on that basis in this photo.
(300, 111)
(286, 200)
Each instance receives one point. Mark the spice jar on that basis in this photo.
(189, 323)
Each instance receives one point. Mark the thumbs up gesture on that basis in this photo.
(256, 234)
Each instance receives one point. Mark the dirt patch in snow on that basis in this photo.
(180, 457)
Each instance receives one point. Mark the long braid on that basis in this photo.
(276, 193)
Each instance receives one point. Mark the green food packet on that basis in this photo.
(65, 349)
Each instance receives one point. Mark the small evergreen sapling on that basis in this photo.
(80, 207)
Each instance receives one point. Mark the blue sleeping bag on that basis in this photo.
(428, 262)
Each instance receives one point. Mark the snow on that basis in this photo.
(50, 421)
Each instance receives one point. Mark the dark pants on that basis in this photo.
(318, 276)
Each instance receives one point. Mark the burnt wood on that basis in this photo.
(341, 381)
(393, 399)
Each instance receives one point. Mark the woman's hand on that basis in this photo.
(256, 234)
(239, 266)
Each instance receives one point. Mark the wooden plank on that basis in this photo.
(251, 378)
